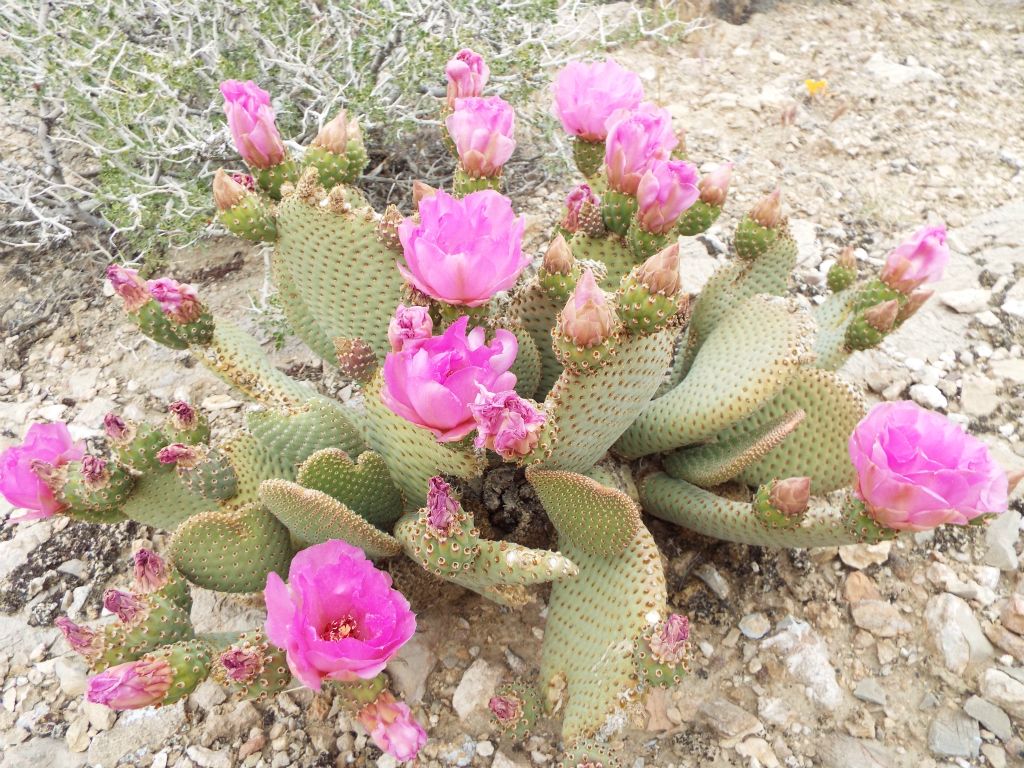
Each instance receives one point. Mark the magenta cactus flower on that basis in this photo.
(433, 383)
(467, 74)
(129, 286)
(338, 617)
(506, 423)
(574, 204)
(23, 469)
(251, 119)
(178, 301)
(921, 258)
(667, 188)
(635, 140)
(464, 251)
(586, 95)
(133, 685)
(392, 727)
(482, 129)
(409, 325)
(917, 470)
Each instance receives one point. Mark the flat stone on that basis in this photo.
(696, 265)
(928, 396)
(859, 586)
(475, 689)
(956, 633)
(758, 751)
(979, 395)
(81, 384)
(1003, 691)
(841, 751)
(755, 625)
(730, 721)
(1001, 539)
(990, 716)
(230, 722)
(1005, 640)
(880, 618)
(100, 717)
(995, 755)
(72, 674)
(714, 580)
(209, 758)
(1012, 613)
(207, 695)
(1011, 369)
(139, 730)
(41, 753)
(411, 667)
(870, 691)
(966, 301)
(805, 655)
(954, 734)
(861, 556)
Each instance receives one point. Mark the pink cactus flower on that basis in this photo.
(467, 74)
(917, 470)
(337, 618)
(506, 423)
(574, 204)
(433, 384)
(149, 570)
(921, 258)
(177, 300)
(182, 415)
(23, 467)
(241, 664)
(408, 326)
(129, 286)
(586, 95)
(180, 455)
(463, 251)
(392, 727)
(482, 129)
(133, 685)
(251, 119)
(667, 188)
(82, 639)
(635, 139)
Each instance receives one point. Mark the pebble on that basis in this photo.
(861, 556)
(729, 720)
(954, 734)
(410, 669)
(929, 396)
(755, 625)
(1004, 691)
(870, 691)
(995, 755)
(475, 689)
(880, 618)
(1012, 613)
(1000, 540)
(956, 633)
(805, 655)
(759, 752)
(990, 716)
(859, 586)
(966, 301)
(209, 758)
(979, 395)
(714, 580)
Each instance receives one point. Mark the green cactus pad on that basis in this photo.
(238, 359)
(364, 486)
(535, 309)
(232, 551)
(198, 434)
(697, 218)
(527, 365)
(463, 184)
(252, 219)
(345, 276)
(720, 461)
(502, 563)
(643, 244)
(587, 753)
(610, 251)
(588, 155)
(860, 334)
(817, 448)
(582, 360)
(104, 516)
(560, 287)
(313, 517)
(642, 311)
(198, 333)
(82, 498)
(412, 453)
(140, 451)
(295, 434)
(528, 699)
(161, 500)
(213, 478)
(595, 622)
(840, 278)
(599, 520)
(587, 412)
(190, 664)
(723, 385)
(270, 677)
(657, 674)
(332, 169)
(270, 180)
(156, 325)
(833, 317)
(752, 240)
(160, 621)
(686, 505)
(445, 556)
(617, 211)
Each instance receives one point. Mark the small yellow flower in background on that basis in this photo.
(816, 88)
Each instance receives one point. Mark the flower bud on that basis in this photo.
(421, 191)
(129, 286)
(443, 511)
(669, 640)
(124, 604)
(387, 227)
(392, 727)
(574, 203)
(921, 258)
(133, 685)
(714, 187)
(587, 318)
(467, 74)
(227, 193)
(660, 273)
(334, 135)
(882, 317)
(768, 210)
(791, 496)
(559, 259)
(915, 301)
(177, 300)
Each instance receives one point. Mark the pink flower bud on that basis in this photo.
(586, 95)
(150, 571)
(409, 325)
(25, 468)
(915, 301)
(715, 186)
(129, 286)
(667, 188)
(921, 258)
(506, 709)
(768, 210)
(660, 273)
(467, 74)
(227, 193)
(421, 191)
(916, 469)
(392, 727)
(82, 639)
(669, 640)
(635, 139)
(847, 258)
(443, 510)
(506, 423)
(133, 685)
(587, 318)
(242, 664)
(791, 496)
(116, 428)
(179, 454)
(251, 119)
(177, 300)
(559, 259)
(126, 605)
(482, 129)
(334, 135)
(574, 204)
(882, 317)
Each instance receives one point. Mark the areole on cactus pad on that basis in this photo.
(620, 394)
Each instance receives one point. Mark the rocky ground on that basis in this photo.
(909, 653)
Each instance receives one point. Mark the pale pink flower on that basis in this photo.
(666, 189)
(23, 467)
(150, 571)
(129, 286)
(392, 727)
(587, 318)
(81, 639)
(467, 74)
(586, 95)
(921, 258)
(124, 604)
(482, 129)
(443, 514)
(409, 325)
(251, 119)
(635, 140)
(177, 300)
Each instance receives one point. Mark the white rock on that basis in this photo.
(979, 395)
(1014, 307)
(1001, 539)
(892, 74)
(956, 633)
(1003, 691)
(805, 655)
(411, 667)
(966, 301)
(82, 383)
(475, 689)
(755, 625)
(928, 396)
(1010, 369)
(860, 556)
(209, 758)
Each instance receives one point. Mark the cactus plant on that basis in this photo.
(647, 400)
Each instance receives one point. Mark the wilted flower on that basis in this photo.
(586, 95)
(124, 604)
(23, 466)
(129, 286)
(177, 300)
(150, 570)
(574, 204)
(133, 685)
(669, 639)
(82, 639)
(506, 423)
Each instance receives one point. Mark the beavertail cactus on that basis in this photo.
(618, 393)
